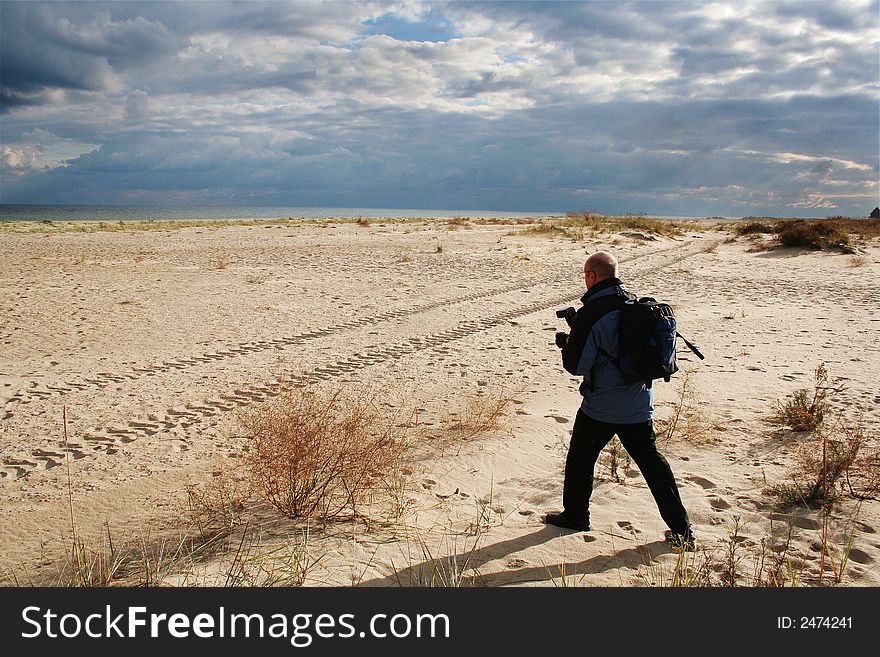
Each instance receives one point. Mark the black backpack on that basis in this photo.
(647, 348)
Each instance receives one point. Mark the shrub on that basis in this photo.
(819, 473)
(838, 462)
(806, 410)
(601, 223)
(457, 222)
(813, 235)
(689, 420)
(752, 228)
(322, 452)
(475, 416)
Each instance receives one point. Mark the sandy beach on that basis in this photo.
(157, 341)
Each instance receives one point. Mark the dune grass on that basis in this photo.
(830, 234)
(576, 224)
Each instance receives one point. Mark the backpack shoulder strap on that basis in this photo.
(583, 323)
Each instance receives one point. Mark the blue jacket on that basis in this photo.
(606, 397)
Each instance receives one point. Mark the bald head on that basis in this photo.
(599, 267)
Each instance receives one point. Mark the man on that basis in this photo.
(610, 406)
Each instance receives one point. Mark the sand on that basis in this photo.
(155, 342)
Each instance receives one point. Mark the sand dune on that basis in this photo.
(155, 341)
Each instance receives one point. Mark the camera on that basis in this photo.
(568, 314)
(561, 339)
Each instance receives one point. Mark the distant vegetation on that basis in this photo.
(832, 233)
(574, 225)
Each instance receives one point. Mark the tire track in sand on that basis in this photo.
(107, 440)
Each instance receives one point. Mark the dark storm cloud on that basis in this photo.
(44, 49)
(679, 107)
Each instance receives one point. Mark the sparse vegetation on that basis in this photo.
(806, 409)
(616, 458)
(322, 453)
(457, 222)
(480, 414)
(773, 561)
(575, 224)
(753, 228)
(813, 235)
(830, 234)
(688, 420)
(453, 571)
(838, 461)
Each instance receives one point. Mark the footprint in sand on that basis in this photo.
(801, 522)
(701, 481)
(718, 503)
(628, 526)
(860, 556)
(558, 418)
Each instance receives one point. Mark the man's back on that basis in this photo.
(606, 396)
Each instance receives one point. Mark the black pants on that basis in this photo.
(589, 437)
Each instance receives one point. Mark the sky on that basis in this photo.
(728, 109)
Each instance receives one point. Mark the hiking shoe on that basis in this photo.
(686, 542)
(562, 520)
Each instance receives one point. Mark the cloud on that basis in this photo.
(45, 48)
(39, 151)
(693, 108)
(137, 107)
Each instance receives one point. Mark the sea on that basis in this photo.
(14, 212)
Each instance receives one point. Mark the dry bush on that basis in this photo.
(616, 458)
(363, 222)
(323, 453)
(806, 410)
(813, 235)
(862, 477)
(575, 224)
(601, 223)
(832, 233)
(481, 413)
(858, 261)
(457, 222)
(752, 228)
(552, 228)
(864, 228)
(688, 421)
(218, 505)
(837, 462)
